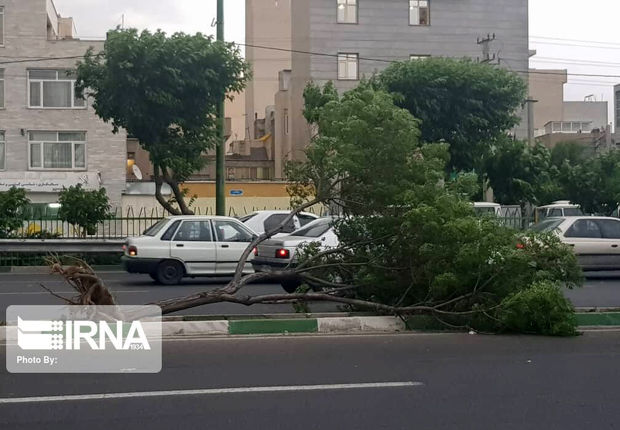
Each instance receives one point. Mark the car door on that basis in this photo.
(586, 239)
(232, 239)
(610, 228)
(193, 244)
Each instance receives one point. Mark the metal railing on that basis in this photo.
(121, 224)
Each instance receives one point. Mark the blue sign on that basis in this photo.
(236, 193)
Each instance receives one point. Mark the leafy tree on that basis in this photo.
(84, 208)
(520, 173)
(164, 91)
(13, 204)
(471, 106)
(572, 152)
(541, 308)
(594, 183)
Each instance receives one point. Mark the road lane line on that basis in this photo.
(66, 292)
(208, 391)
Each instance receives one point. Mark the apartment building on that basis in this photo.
(345, 40)
(556, 120)
(50, 137)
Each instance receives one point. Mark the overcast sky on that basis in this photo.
(579, 35)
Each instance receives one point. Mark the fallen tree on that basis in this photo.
(409, 241)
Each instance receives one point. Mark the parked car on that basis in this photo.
(262, 221)
(561, 208)
(180, 246)
(278, 253)
(595, 240)
(487, 208)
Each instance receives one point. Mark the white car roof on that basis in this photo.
(199, 217)
(280, 211)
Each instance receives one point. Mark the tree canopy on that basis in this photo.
(466, 104)
(164, 91)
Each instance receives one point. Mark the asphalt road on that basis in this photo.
(450, 381)
(132, 289)
(600, 290)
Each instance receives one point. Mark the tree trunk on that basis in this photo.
(178, 194)
(162, 201)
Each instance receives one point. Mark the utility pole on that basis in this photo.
(220, 184)
(486, 50)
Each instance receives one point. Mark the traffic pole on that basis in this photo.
(220, 151)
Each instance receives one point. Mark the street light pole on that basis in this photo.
(220, 195)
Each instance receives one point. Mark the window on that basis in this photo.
(315, 229)
(584, 228)
(419, 12)
(1, 25)
(53, 89)
(305, 219)
(57, 150)
(274, 220)
(610, 228)
(194, 231)
(348, 67)
(1, 88)
(228, 231)
(347, 11)
(286, 121)
(167, 236)
(2, 150)
(155, 228)
(555, 213)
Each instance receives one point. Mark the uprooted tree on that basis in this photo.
(409, 241)
(164, 91)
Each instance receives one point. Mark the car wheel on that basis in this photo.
(170, 272)
(290, 285)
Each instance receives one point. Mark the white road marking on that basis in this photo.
(106, 396)
(17, 293)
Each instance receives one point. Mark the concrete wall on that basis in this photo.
(255, 196)
(26, 36)
(586, 111)
(268, 23)
(547, 87)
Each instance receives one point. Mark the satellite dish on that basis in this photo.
(137, 172)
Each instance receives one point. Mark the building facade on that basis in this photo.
(345, 40)
(556, 120)
(50, 137)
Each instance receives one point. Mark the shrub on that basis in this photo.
(540, 309)
(12, 211)
(84, 208)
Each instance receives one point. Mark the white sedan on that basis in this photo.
(279, 253)
(262, 221)
(595, 240)
(180, 246)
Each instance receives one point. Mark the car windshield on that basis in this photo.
(314, 229)
(155, 228)
(247, 217)
(484, 211)
(572, 212)
(547, 225)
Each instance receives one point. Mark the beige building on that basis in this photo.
(343, 41)
(267, 24)
(49, 137)
(556, 120)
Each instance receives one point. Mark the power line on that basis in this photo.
(323, 54)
